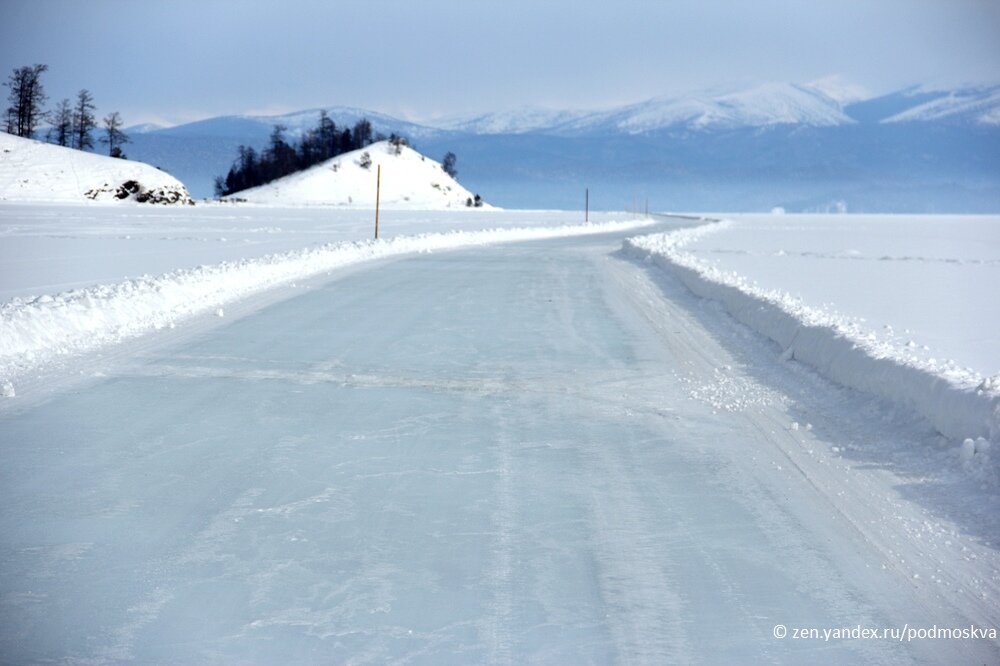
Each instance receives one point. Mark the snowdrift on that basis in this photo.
(35, 331)
(409, 181)
(35, 171)
(958, 405)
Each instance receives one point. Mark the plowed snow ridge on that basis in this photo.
(33, 332)
(958, 403)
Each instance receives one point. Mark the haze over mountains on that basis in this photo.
(815, 147)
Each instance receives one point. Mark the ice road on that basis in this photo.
(542, 452)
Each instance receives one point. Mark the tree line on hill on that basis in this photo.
(281, 158)
(70, 124)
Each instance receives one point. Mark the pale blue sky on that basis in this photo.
(177, 60)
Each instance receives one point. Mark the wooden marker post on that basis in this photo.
(378, 192)
(586, 205)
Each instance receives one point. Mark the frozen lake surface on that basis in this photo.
(927, 279)
(51, 248)
(539, 452)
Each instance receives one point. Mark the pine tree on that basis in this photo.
(26, 97)
(448, 164)
(83, 120)
(362, 135)
(346, 142)
(281, 158)
(327, 135)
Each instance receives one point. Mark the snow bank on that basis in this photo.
(958, 402)
(34, 331)
(409, 181)
(35, 171)
(924, 285)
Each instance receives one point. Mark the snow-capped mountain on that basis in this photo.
(939, 148)
(828, 102)
(515, 121)
(979, 105)
(295, 123)
(763, 106)
(840, 90)
(819, 105)
(35, 171)
(144, 128)
(409, 181)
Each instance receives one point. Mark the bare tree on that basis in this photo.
(397, 142)
(26, 97)
(83, 120)
(62, 124)
(113, 134)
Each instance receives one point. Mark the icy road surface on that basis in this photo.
(538, 452)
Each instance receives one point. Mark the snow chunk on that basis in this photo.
(967, 450)
(974, 455)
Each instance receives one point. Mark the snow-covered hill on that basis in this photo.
(409, 181)
(35, 171)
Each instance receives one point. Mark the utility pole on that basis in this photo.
(378, 192)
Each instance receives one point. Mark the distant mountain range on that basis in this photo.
(801, 147)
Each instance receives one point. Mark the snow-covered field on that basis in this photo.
(901, 307)
(927, 284)
(533, 453)
(48, 249)
(79, 278)
(544, 451)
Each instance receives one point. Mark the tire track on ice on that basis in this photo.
(498, 626)
(644, 613)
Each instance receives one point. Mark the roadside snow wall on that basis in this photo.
(34, 331)
(958, 406)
